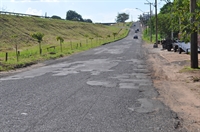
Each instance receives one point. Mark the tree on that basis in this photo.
(167, 1)
(141, 18)
(166, 8)
(88, 20)
(122, 17)
(86, 38)
(72, 15)
(61, 41)
(39, 37)
(56, 17)
(91, 40)
(181, 11)
(114, 34)
(188, 13)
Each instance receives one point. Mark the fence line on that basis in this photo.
(29, 15)
(21, 14)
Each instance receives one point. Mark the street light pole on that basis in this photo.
(143, 16)
(150, 25)
(156, 44)
(150, 20)
(140, 10)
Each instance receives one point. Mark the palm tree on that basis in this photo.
(114, 34)
(39, 37)
(61, 41)
(91, 40)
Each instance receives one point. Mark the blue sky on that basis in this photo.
(96, 10)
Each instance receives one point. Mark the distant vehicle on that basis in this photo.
(135, 37)
(138, 30)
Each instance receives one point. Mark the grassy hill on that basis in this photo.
(78, 36)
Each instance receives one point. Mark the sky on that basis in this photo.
(99, 11)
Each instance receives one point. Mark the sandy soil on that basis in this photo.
(178, 90)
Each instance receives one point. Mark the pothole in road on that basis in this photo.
(128, 85)
(144, 105)
(101, 83)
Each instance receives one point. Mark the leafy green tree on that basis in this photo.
(167, 1)
(182, 11)
(141, 19)
(166, 8)
(88, 20)
(188, 23)
(39, 36)
(61, 41)
(122, 17)
(74, 16)
(56, 17)
(164, 25)
(167, 21)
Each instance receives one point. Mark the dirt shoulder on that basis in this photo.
(178, 90)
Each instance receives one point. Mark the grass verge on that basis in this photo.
(23, 50)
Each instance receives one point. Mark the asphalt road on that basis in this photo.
(105, 89)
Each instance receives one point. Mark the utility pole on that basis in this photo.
(193, 37)
(150, 20)
(156, 16)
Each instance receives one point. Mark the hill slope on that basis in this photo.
(69, 30)
(77, 36)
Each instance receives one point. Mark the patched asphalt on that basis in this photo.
(105, 89)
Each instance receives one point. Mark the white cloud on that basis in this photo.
(133, 13)
(21, 0)
(49, 0)
(35, 0)
(86, 16)
(34, 12)
(108, 17)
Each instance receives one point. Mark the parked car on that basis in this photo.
(182, 46)
(167, 44)
(175, 44)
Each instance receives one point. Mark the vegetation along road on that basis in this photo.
(105, 89)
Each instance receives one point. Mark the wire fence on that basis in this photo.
(21, 14)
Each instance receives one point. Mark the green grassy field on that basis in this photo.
(78, 36)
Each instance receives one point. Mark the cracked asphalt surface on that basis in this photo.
(105, 89)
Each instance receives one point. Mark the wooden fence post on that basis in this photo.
(71, 44)
(77, 45)
(6, 56)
